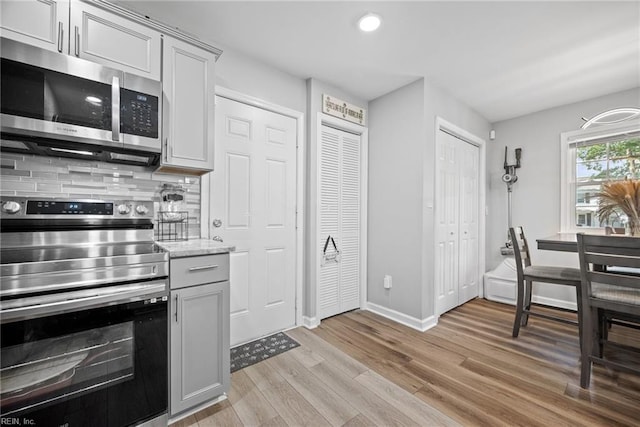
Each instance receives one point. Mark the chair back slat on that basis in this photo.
(617, 279)
(520, 249)
(609, 251)
(613, 260)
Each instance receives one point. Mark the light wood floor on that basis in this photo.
(360, 369)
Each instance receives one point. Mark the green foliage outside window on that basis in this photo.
(612, 160)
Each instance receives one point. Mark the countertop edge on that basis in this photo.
(196, 247)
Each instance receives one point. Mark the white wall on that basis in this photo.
(402, 135)
(395, 224)
(243, 74)
(536, 195)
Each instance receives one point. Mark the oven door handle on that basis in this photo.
(46, 305)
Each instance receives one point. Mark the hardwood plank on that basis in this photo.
(361, 369)
(294, 409)
(406, 402)
(241, 385)
(331, 406)
(306, 356)
(274, 422)
(473, 370)
(219, 415)
(366, 355)
(263, 376)
(248, 402)
(351, 367)
(359, 421)
(364, 400)
(189, 421)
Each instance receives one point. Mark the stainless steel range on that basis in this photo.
(83, 313)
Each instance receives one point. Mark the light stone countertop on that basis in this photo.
(195, 247)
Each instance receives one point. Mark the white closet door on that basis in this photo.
(468, 276)
(457, 222)
(448, 208)
(340, 176)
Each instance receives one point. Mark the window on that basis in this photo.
(589, 158)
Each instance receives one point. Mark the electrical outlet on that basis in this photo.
(387, 281)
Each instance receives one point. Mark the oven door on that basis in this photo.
(91, 357)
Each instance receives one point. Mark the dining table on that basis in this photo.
(568, 242)
(563, 242)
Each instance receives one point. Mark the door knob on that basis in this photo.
(217, 239)
(217, 223)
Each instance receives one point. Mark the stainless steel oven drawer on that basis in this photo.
(198, 270)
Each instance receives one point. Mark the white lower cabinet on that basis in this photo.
(199, 335)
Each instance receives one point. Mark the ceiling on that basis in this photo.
(503, 59)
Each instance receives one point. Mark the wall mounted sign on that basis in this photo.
(338, 108)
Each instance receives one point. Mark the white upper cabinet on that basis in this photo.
(80, 29)
(43, 23)
(189, 98)
(100, 36)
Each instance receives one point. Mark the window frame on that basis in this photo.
(568, 141)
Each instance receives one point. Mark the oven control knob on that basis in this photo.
(123, 209)
(142, 210)
(11, 207)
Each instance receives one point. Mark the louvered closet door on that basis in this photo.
(340, 176)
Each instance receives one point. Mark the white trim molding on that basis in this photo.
(404, 319)
(568, 164)
(310, 322)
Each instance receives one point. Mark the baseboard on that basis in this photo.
(310, 322)
(410, 321)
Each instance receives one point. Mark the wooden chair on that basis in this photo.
(608, 297)
(527, 274)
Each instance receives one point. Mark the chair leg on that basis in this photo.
(586, 345)
(580, 314)
(527, 302)
(603, 331)
(519, 305)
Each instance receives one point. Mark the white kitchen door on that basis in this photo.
(253, 208)
(457, 227)
(339, 218)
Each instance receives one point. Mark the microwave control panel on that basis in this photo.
(138, 113)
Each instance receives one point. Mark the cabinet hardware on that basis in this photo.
(204, 267)
(176, 308)
(166, 150)
(60, 36)
(115, 109)
(77, 37)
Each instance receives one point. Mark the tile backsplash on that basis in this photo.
(51, 177)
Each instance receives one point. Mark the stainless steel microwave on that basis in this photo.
(60, 105)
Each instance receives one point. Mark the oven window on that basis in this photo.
(98, 367)
(76, 363)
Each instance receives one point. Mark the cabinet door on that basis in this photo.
(42, 23)
(188, 84)
(99, 36)
(200, 369)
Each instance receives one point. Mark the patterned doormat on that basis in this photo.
(256, 351)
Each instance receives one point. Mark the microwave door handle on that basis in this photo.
(115, 108)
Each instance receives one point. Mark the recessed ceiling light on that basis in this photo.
(369, 22)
